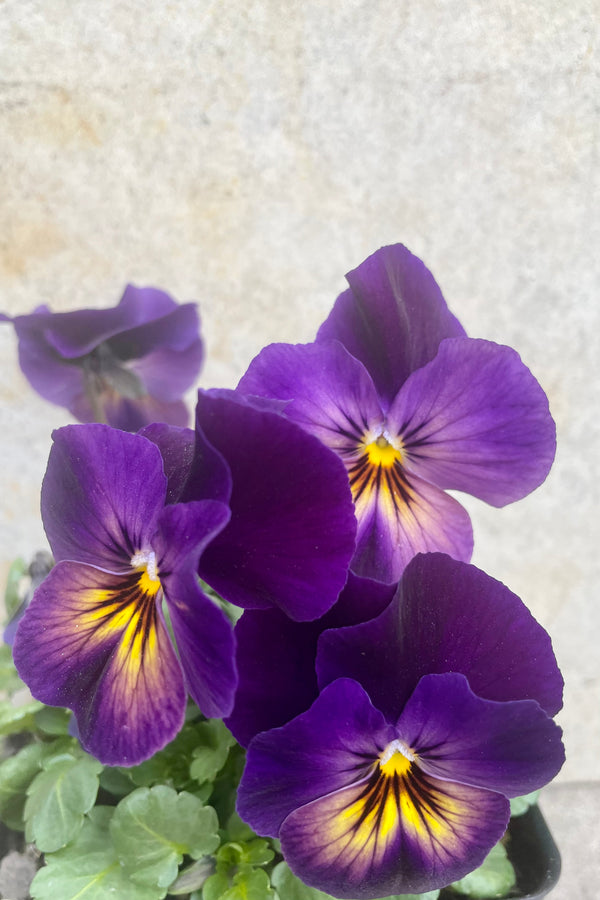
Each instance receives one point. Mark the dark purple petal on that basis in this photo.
(511, 747)
(332, 745)
(95, 642)
(400, 515)
(392, 319)
(292, 528)
(206, 645)
(276, 657)
(194, 469)
(329, 392)
(101, 495)
(202, 631)
(392, 836)
(446, 617)
(476, 420)
(176, 447)
(184, 530)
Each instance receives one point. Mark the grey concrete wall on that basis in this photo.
(247, 154)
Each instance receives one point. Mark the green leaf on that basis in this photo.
(58, 797)
(88, 869)
(249, 884)
(116, 781)
(215, 886)
(520, 805)
(153, 828)
(210, 756)
(171, 765)
(53, 720)
(494, 878)
(15, 719)
(289, 887)
(238, 830)
(16, 774)
(13, 596)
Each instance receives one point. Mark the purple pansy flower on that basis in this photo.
(94, 636)
(413, 408)
(130, 520)
(126, 366)
(430, 716)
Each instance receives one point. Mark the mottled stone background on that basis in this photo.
(247, 154)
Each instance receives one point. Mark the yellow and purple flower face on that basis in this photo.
(412, 407)
(429, 717)
(94, 637)
(130, 520)
(127, 366)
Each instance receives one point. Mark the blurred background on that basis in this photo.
(247, 155)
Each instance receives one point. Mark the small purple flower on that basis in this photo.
(430, 716)
(127, 366)
(413, 408)
(131, 520)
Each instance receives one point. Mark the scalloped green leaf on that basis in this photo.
(58, 797)
(16, 774)
(171, 765)
(15, 718)
(89, 868)
(494, 877)
(209, 757)
(153, 828)
(53, 720)
(248, 884)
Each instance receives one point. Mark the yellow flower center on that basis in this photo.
(149, 582)
(381, 452)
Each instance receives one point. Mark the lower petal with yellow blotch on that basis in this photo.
(398, 831)
(96, 642)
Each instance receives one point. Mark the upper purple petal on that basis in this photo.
(447, 616)
(276, 657)
(327, 391)
(194, 469)
(512, 747)
(76, 333)
(101, 495)
(292, 528)
(475, 419)
(392, 319)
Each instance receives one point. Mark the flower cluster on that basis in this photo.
(391, 696)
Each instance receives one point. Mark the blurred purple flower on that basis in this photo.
(430, 716)
(126, 366)
(413, 407)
